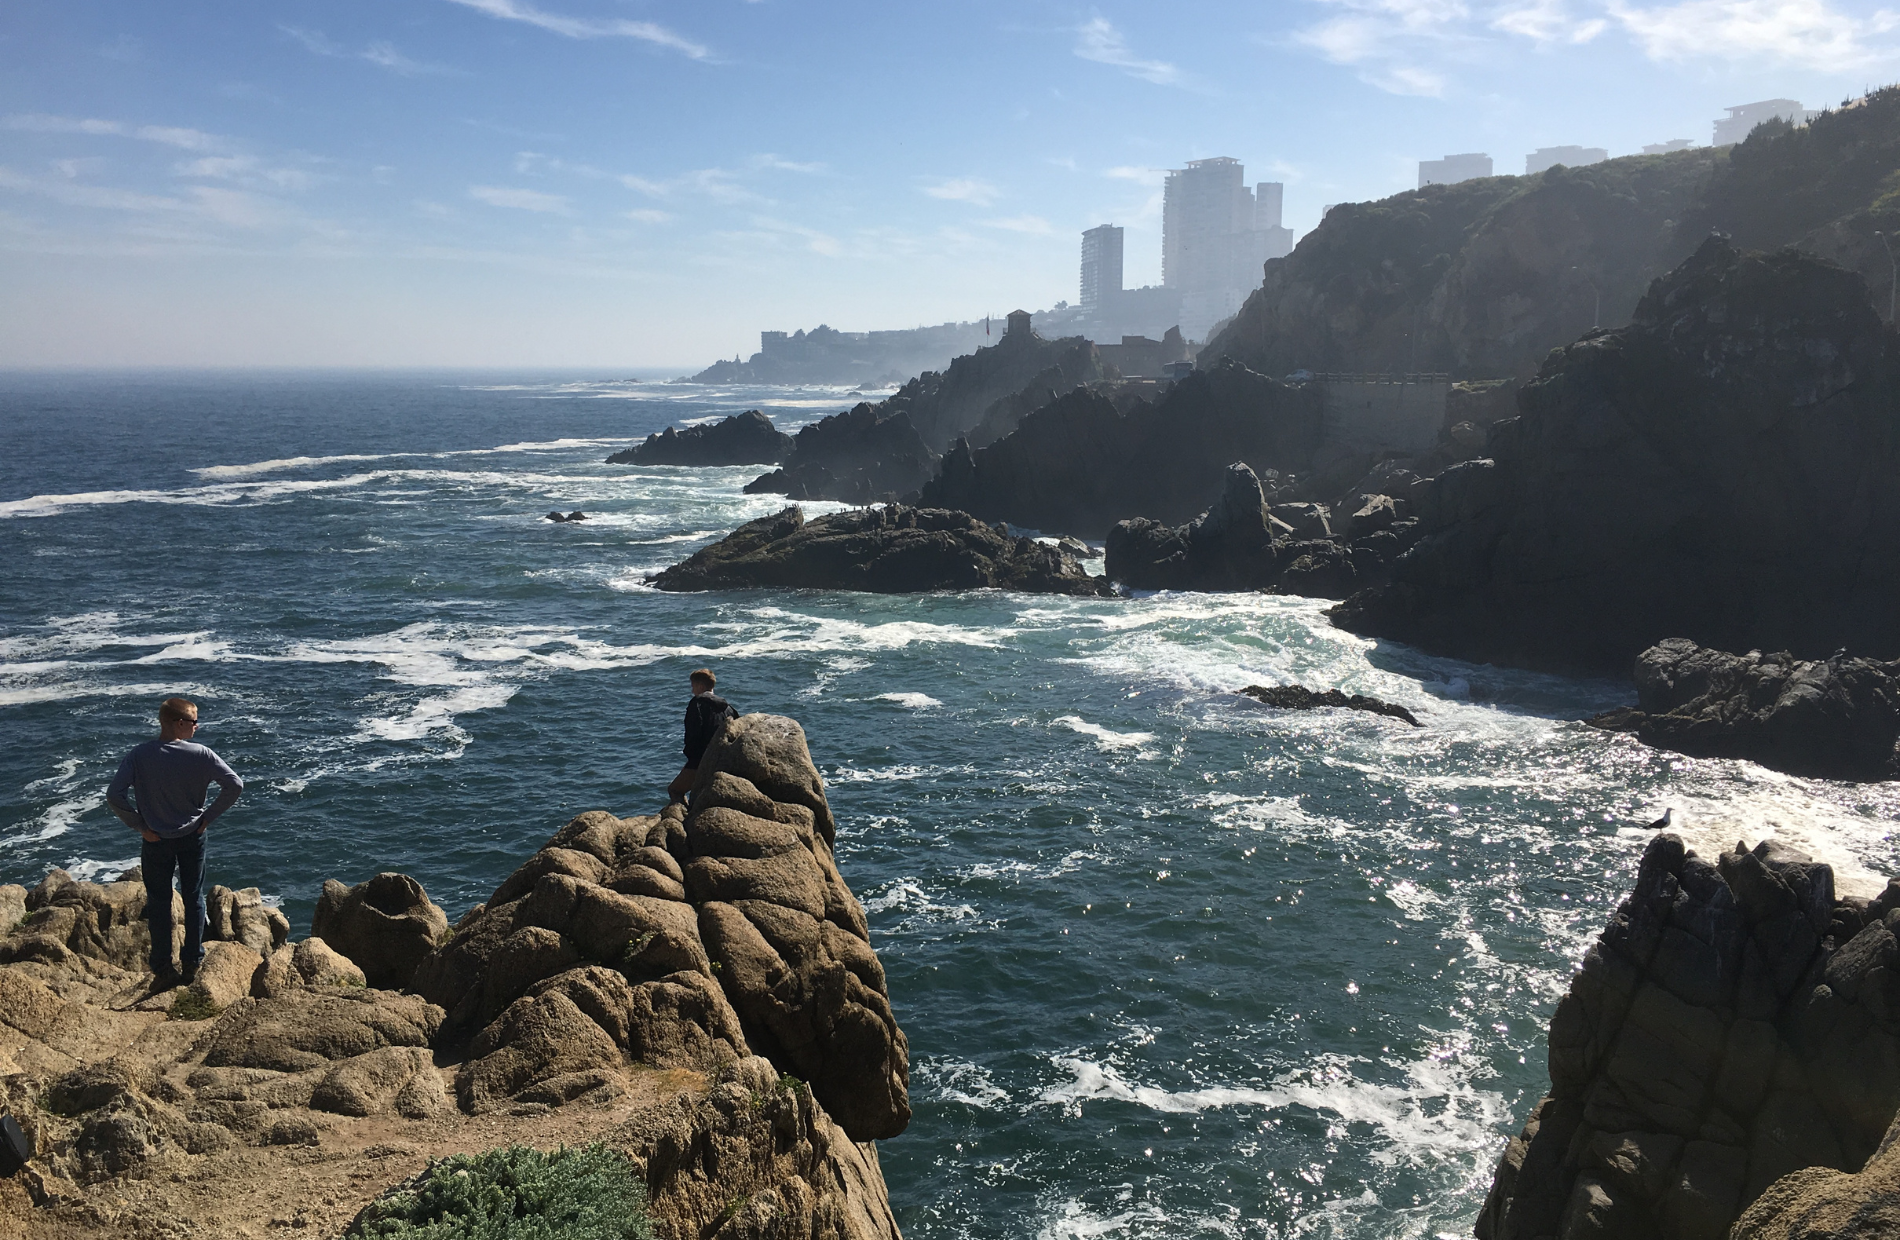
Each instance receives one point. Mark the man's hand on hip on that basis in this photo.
(150, 837)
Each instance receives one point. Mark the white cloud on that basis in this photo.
(773, 162)
(964, 189)
(381, 53)
(519, 199)
(646, 215)
(167, 135)
(585, 28)
(1099, 41)
(242, 168)
(1140, 176)
(1806, 33)
(1034, 225)
(1547, 21)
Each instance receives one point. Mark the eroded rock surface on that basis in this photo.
(386, 926)
(1837, 718)
(1299, 697)
(888, 550)
(1734, 1023)
(1717, 470)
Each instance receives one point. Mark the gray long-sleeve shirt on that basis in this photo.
(168, 780)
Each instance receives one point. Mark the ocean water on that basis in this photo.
(1172, 964)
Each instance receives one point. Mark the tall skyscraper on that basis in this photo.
(1216, 237)
(1101, 268)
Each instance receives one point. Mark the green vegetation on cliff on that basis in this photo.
(517, 1193)
(1484, 278)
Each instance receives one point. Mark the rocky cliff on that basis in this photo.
(1717, 470)
(1735, 1023)
(1483, 278)
(1080, 464)
(747, 438)
(696, 990)
(886, 550)
(879, 452)
(1837, 718)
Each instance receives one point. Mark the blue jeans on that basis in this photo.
(187, 855)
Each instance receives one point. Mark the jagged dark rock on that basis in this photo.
(1228, 547)
(872, 453)
(867, 454)
(887, 550)
(1720, 469)
(1079, 464)
(747, 438)
(1837, 718)
(1733, 1024)
(1299, 697)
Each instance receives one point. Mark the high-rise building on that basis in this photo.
(1453, 169)
(1743, 117)
(1664, 148)
(1101, 268)
(1216, 237)
(1547, 157)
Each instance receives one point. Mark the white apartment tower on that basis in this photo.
(1101, 269)
(1216, 234)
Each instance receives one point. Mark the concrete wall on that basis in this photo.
(1384, 413)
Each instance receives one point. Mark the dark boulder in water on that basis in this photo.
(1228, 547)
(889, 550)
(747, 438)
(1299, 697)
(1720, 469)
(1728, 1046)
(563, 517)
(1836, 718)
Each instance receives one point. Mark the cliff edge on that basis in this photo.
(696, 991)
(1731, 1041)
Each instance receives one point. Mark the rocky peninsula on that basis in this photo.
(886, 550)
(747, 438)
(695, 991)
(877, 452)
(1717, 470)
(1836, 718)
(1729, 1051)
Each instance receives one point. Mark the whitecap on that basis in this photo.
(914, 701)
(87, 870)
(1461, 1120)
(1105, 739)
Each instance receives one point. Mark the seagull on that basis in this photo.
(1665, 822)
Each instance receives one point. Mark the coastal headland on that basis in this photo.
(694, 991)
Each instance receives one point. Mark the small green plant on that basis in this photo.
(790, 1084)
(635, 946)
(514, 1193)
(191, 1005)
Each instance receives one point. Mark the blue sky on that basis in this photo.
(646, 184)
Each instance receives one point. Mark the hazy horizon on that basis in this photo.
(499, 184)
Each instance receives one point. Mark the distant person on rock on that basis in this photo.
(704, 715)
(168, 778)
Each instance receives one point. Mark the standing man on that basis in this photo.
(168, 778)
(704, 714)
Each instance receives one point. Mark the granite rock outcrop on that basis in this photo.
(1734, 1024)
(1079, 464)
(1716, 470)
(747, 438)
(885, 550)
(1836, 718)
(700, 990)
